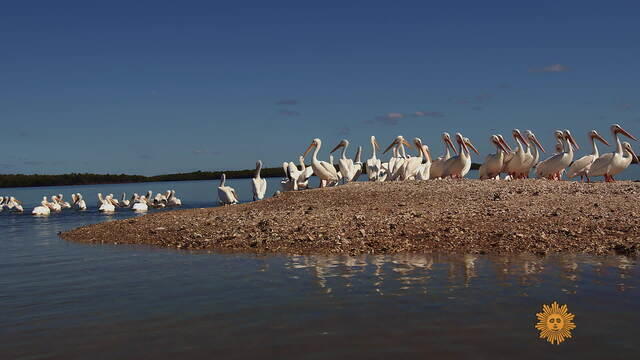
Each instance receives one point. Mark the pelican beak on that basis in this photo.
(405, 142)
(308, 149)
(375, 143)
(537, 143)
(502, 146)
(336, 148)
(634, 157)
(506, 145)
(597, 136)
(450, 143)
(625, 133)
(464, 147)
(522, 138)
(390, 146)
(427, 154)
(572, 141)
(472, 147)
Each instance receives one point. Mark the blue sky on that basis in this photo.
(152, 87)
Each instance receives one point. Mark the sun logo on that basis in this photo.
(555, 323)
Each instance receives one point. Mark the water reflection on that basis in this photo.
(417, 273)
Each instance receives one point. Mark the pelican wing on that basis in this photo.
(601, 164)
(581, 165)
(329, 168)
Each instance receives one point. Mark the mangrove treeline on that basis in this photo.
(21, 180)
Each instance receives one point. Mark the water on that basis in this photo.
(66, 300)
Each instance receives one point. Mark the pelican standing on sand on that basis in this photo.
(437, 166)
(515, 161)
(258, 184)
(582, 166)
(344, 164)
(553, 166)
(611, 164)
(226, 194)
(323, 170)
(374, 165)
(396, 163)
(532, 155)
(458, 166)
(493, 163)
(412, 167)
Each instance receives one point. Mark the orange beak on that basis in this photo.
(625, 133)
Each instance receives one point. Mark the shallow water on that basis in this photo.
(66, 300)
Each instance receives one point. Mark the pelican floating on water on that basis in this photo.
(43, 209)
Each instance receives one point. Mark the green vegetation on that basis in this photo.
(20, 180)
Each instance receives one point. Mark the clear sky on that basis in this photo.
(152, 87)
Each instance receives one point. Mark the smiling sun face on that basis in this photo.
(555, 323)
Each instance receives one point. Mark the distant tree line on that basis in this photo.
(21, 180)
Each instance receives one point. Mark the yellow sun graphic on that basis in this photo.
(555, 323)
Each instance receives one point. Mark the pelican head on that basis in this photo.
(594, 135)
(533, 139)
(399, 140)
(447, 140)
(617, 129)
(469, 144)
(502, 140)
(495, 139)
(314, 143)
(518, 136)
(629, 149)
(570, 139)
(343, 143)
(374, 142)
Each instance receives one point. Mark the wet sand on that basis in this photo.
(468, 216)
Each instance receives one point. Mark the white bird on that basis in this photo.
(357, 165)
(78, 202)
(305, 173)
(124, 202)
(396, 163)
(540, 168)
(424, 172)
(324, 171)
(611, 164)
(139, 203)
(258, 184)
(553, 166)
(458, 166)
(514, 162)
(532, 155)
(437, 165)
(493, 163)
(113, 200)
(344, 164)
(14, 205)
(107, 205)
(414, 165)
(226, 194)
(374, 165)
(583, 165)
(54, 205)
(287, 183)
(172, 200)
(43, 209)
(63, 204)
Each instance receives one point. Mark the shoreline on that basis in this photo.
(450, 216)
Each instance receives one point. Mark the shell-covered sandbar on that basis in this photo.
(464, 216)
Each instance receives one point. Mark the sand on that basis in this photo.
(460, 216)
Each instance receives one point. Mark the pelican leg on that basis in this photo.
(588, 180)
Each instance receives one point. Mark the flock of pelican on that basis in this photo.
(106, 204)
(511, 163)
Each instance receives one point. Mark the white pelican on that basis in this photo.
(107, 205)
(357, 165)
(344, 164)
(458, 166)
(396, 163)
(582, 166)
(258, 184)
(173, 201)
(14, 205)
(540, 168)
(324, 171)
(611, 164)
(339, 173)
(374, 165)
(43, 209)
(54, 205)
(437, 166)
(532, 155)
(78, 202)
(424, 172)
(287, 183)
(124, 202)
(515, 162)
(493, 163)
(305, 173)
(226, 194)
(414, 165)
(553, 166)
(113, 200)
(139, 203)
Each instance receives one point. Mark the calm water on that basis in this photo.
(66, 300)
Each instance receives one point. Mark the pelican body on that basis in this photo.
(258, 184)
(582, 166)
(610, 164)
